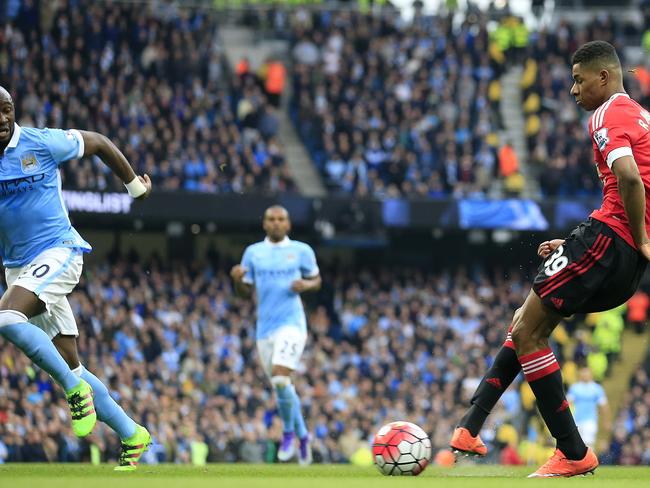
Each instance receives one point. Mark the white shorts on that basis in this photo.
(51, 276)
(588, 431)
(283, 348)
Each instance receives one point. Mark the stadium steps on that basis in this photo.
(239, 42)
(302, 168)
(511, 108)
(634, 348)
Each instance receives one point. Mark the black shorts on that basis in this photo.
(594, 270)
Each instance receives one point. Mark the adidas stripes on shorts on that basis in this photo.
(594, 270)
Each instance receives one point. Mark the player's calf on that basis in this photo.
(543, 374)
(304, 450)
(134, 438)
(498, 378)
(108, 411)
(284, 392)
(37, 346)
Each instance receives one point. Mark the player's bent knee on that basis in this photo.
(281, 381)
(520, 335)
(528, 339)
(279, 370)
(11, 317)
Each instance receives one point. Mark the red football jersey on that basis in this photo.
(620, 127)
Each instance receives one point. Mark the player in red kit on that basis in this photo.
(597, 267)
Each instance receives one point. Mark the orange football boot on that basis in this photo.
(462, 441)
(560, 466)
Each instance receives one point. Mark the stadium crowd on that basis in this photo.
(385, 109)
(630, 442)
(388, 108)
(556, 128)
(177, 349)
(154, 80)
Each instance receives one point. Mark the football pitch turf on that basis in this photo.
(291, 476)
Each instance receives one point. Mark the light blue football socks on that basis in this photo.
(298, 419)
(38, 347)
(286, 405)
(108, 411)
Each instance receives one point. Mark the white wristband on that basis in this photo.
(135, 188)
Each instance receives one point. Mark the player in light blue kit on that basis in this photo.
(280, 269)
(43, 257)
(587, 398)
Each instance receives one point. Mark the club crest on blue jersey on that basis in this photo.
(291, 257)
(29, 163)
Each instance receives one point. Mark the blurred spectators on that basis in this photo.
(385, 109)
(637, 311)
(558, 139)
(607, 334)
(588, 403)
(274, 76)
(631, 441)
(388, 109)
(152, 79)
(178, 352)
(511, 39)
(509, 169)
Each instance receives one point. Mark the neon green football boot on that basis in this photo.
(82, 408)
(133, 448)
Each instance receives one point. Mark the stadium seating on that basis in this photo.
(178, 351)
(630, 444)
(153, 81)
(558, 139)
(388, 109)
(385, 110)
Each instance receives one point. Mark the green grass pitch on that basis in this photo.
(292, 476)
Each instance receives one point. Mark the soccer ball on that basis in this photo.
(401, 449)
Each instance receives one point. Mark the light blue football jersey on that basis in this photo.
(272, 267)
(33, 217)
(586, 397)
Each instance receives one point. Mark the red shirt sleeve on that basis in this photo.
(612, 134)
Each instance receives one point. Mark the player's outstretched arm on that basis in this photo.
(632, 191)
(139, 187)
(242, 289)
(307, 284)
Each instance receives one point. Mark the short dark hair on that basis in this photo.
(597, 53)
